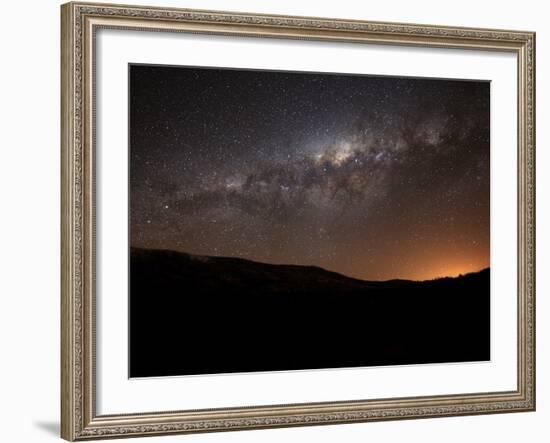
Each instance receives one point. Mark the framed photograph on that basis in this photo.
(282, 221)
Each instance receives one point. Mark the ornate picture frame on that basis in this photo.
(79, 417)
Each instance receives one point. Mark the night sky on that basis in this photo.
(373, 177)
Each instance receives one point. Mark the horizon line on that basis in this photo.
(310, 265)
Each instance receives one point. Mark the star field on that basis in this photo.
(372, 177)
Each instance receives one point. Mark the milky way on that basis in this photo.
(373, 177)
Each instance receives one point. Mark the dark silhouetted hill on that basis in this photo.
(196, 315)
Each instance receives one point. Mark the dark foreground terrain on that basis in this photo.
(201, 315)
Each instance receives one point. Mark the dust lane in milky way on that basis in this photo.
(373, 177)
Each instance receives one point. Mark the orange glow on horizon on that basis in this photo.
(454, 271)
(427, 264)
(441, 269)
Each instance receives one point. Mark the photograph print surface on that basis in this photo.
(296, 220)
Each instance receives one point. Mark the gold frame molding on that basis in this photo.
(79, 22)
